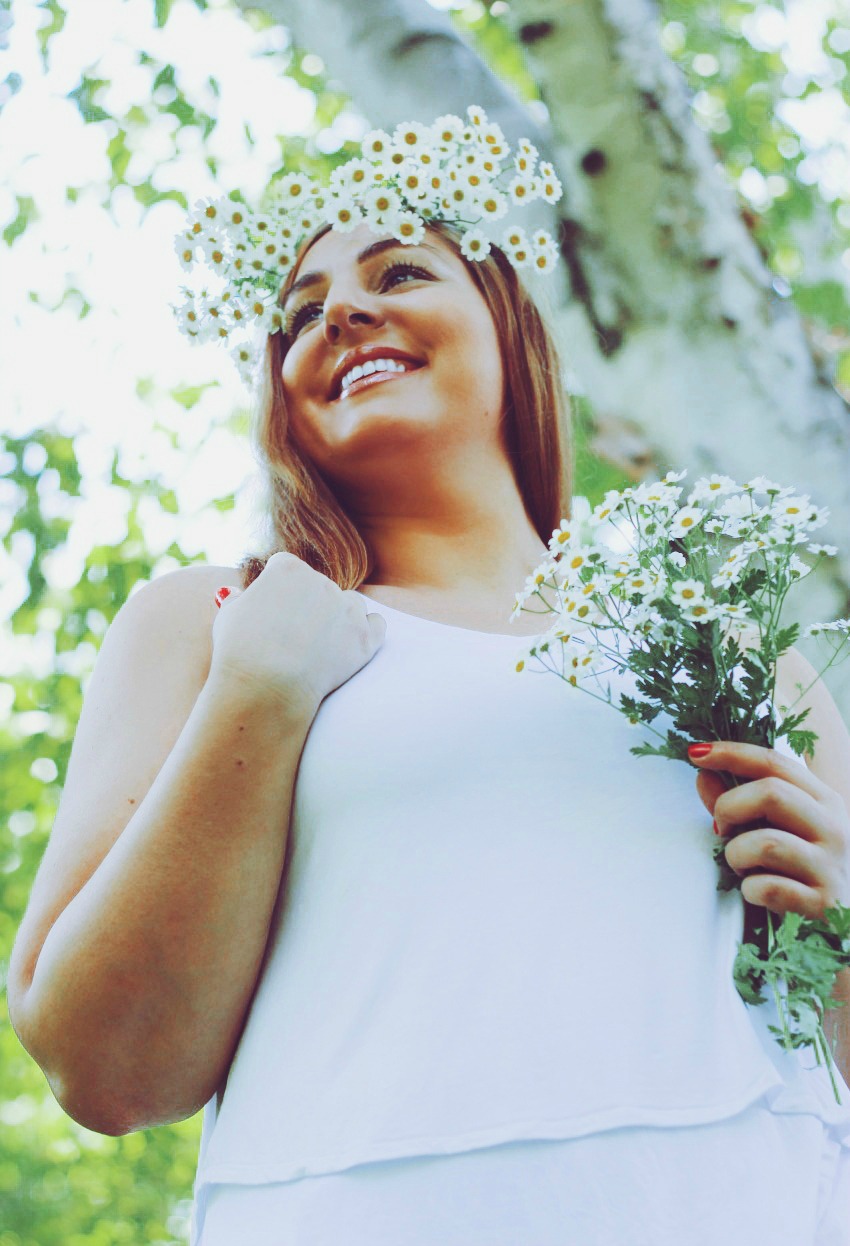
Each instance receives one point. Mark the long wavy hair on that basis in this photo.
(300, 512)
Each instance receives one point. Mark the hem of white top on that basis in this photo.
(520, 1131)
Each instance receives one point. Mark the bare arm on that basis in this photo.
(831, 764)
(137, 958)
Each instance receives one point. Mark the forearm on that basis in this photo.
(139, 992)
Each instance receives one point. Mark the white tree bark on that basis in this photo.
(700, 350)
(667, 315)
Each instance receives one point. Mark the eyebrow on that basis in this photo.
(374, 248)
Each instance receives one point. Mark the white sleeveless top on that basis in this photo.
(496, 924)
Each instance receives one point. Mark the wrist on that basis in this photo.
(284, 699)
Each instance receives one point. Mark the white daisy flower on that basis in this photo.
(411, 137)
(516, 246)
(492, 204)
(655, 493)
(548, 187)
(188, 317)
(376, 144)
(355, 175)
(476, 114)
(687, 592)
(686, 520)
(761, 484)
(545, 257)
(412, 179)
(475, 245)
(346, 215)
(446, 132)
(610, 504)
(711, 487)
(207, 210)
(491, 133)
(732, 610)
(739, 506)
(235, 216)
(245, 361)
(702, 611)
(524, 162)
(409, 228)
(521, 189)
(382, 205)
(458, 198)
(837, 625)
(292, 189)
(184, 246)
(829, 550)
(562, 534)
(677, 559)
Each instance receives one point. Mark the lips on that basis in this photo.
(364, 355)
(375, 378)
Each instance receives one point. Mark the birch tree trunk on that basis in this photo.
(666, 313)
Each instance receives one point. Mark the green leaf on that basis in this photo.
(50, 28)
(161, 11)
(83, 96)
(189, 395)
(27, 213)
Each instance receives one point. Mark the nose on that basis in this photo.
(345, 310)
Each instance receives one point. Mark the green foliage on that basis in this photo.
(59, 1182)
(27, 212)
(804, 956)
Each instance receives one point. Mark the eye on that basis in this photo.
(297, 319)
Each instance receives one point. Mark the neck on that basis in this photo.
(471, 539)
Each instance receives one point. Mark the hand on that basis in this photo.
(805, 847)
(293, 634)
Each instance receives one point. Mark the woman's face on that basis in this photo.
(368, 292)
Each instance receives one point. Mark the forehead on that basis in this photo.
(337, 250)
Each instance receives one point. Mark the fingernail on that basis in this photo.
(716, 829)
(699, 750)
(221, 594)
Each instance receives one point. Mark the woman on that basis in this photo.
(445, 963)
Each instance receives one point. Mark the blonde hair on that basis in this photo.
(300, 512)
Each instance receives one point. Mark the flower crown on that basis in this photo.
(455, 171)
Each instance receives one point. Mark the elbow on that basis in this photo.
(79, 1090)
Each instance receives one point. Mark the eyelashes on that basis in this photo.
(295, 321)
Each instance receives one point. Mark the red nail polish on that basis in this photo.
(716, 829)
(699, 750)
(221, 594)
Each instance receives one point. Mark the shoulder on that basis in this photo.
(173, 612)
(187, 585)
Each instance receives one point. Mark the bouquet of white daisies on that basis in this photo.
(667, 591)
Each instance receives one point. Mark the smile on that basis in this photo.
(375, 378)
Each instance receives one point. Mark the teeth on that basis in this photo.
(371, 365)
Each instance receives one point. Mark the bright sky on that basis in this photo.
(82, 375)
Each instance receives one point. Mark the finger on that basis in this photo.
(778, 853)
(710, 787)
(779, 802)
(224, 592)
(751, 761)
(783, 895)
(378, 628)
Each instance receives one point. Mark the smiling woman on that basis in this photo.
(327, 868)
(320, 453)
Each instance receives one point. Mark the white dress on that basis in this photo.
(497, 1003)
